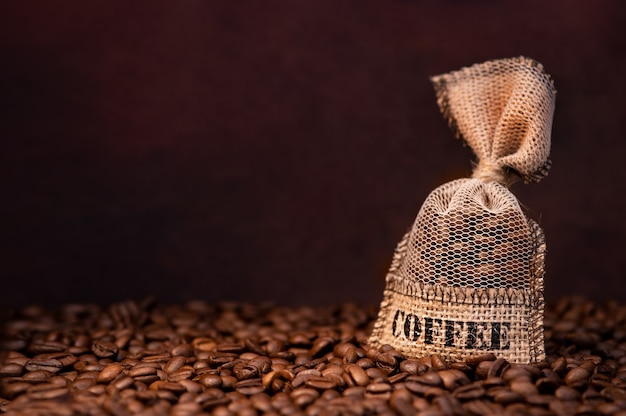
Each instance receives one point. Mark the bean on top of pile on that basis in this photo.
(230, 358)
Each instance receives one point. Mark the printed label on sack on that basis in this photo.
(479, 335)
(420, 325)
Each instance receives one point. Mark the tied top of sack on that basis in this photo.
(503, 110)
(473, 232)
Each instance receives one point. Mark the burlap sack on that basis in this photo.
(468, 277)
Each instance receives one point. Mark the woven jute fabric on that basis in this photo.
(468, 277)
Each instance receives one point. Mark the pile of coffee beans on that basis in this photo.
(238, 359)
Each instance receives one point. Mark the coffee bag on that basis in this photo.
(468, 277)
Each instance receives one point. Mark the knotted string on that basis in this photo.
(488, 171)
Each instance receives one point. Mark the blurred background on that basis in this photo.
(278, 150)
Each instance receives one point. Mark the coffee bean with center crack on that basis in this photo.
(357, 374)
(174, 363)
(320, 383)
(109, 372)
(51, 365)
(104, 349)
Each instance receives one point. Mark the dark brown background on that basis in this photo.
(278, 150)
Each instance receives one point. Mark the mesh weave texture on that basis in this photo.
(470, 233)
(468, 277)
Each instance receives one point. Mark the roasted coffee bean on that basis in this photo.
(523, 387)
(262, 364)
(412, 367)
(13, 357)
(250, 387)
(123, 382)
(398, 378)
(469, 392)
(432, 378)
(66, 358)
(191, 386)
(182, 373)
(228, 382)
(477, 359)
(204, 344)
(401, 403)
(104, 349)
(356, 391)
(230, 347)
(332, 369)
(321, 383)
(321, 346)
(358, 375)
(156, 358)
(559, 365)
(93, 367)
(516, 373)
(11, 370)
(42, 347)
(388, 361)
(482, 369)
(377, 388)
(167, 386)
(507, 397)
(376, 373)
(339, 382)
(37, 376)
(453, 378)
(304, 396)
(493, 382)
(184, 350)
(438, 363)
(50, 365)
(365, 363)
(109, 372)
(142, 371)
(567, 393)
(245, 372)
(351, 356)
(174, 364)
(303, 376)
(416, 386)
(210, 380)
(83, 383)
(577, 378)
(397, 355)
(341, 349)
(548, 384)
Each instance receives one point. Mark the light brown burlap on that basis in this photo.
(468, 277)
